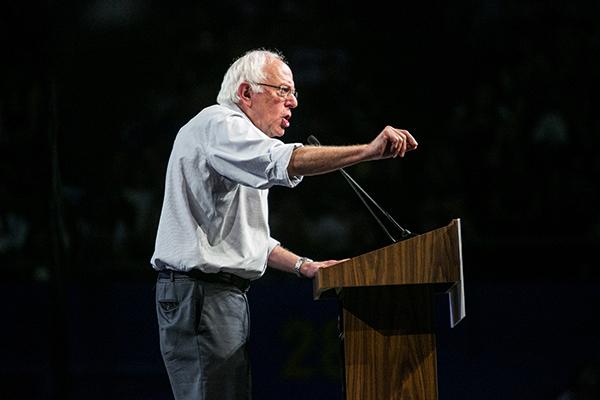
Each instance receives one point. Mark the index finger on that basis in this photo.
(329, 263)
(411, 142)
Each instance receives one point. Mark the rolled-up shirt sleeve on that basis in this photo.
(239, 151)
(272, 244)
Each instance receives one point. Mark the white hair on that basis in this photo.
(248, 68)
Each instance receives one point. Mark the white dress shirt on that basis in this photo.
(215, 211)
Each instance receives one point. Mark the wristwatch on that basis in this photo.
(298, 265)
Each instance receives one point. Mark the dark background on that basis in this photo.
(501, 95)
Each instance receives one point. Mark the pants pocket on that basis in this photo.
(177, 310)
(168, 306)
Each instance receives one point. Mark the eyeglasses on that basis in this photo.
(282, 90)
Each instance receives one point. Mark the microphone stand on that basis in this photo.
(364, 196)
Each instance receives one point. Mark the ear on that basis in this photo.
(244, 92)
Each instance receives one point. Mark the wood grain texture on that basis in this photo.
(433, 257)
(387, 295)
(389, 343)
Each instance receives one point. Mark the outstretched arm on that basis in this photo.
(312, 160)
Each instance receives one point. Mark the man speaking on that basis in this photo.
(213, 237)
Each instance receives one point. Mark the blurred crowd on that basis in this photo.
(500, 96)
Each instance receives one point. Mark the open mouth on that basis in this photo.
(285, 121)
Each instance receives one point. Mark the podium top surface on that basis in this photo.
(433, 258)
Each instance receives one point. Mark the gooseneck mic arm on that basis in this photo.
(364, 196)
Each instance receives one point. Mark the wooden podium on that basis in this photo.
(387, 301)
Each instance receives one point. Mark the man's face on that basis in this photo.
(268, 110)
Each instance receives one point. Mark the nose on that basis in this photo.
(291, 101)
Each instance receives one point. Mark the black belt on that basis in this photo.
(219, 277)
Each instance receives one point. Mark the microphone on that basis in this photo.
(364, 196)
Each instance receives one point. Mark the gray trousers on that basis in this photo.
(204, 329)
